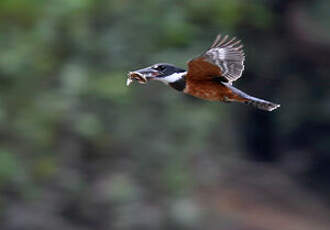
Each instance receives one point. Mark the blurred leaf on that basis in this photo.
(9, 166)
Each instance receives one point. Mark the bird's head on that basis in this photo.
(163, 72)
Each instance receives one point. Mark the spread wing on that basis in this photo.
(225, 58)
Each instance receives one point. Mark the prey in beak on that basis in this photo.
(142, 76)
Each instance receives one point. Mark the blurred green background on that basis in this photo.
(80, 150)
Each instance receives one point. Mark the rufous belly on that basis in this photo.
(210, 90)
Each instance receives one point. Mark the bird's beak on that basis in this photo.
(142, 75)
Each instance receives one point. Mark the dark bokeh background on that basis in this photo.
(80, 150)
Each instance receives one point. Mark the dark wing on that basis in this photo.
(225, 58)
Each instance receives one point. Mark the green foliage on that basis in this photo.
(9, 166)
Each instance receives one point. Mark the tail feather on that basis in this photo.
(255, 102)
(261, 104)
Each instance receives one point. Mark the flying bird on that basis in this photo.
(209, 76)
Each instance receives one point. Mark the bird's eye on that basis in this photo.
(159, 67)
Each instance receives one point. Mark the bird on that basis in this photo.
(209, 76)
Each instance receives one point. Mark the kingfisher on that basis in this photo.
(209, 76)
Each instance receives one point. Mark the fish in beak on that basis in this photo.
(142, 75)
